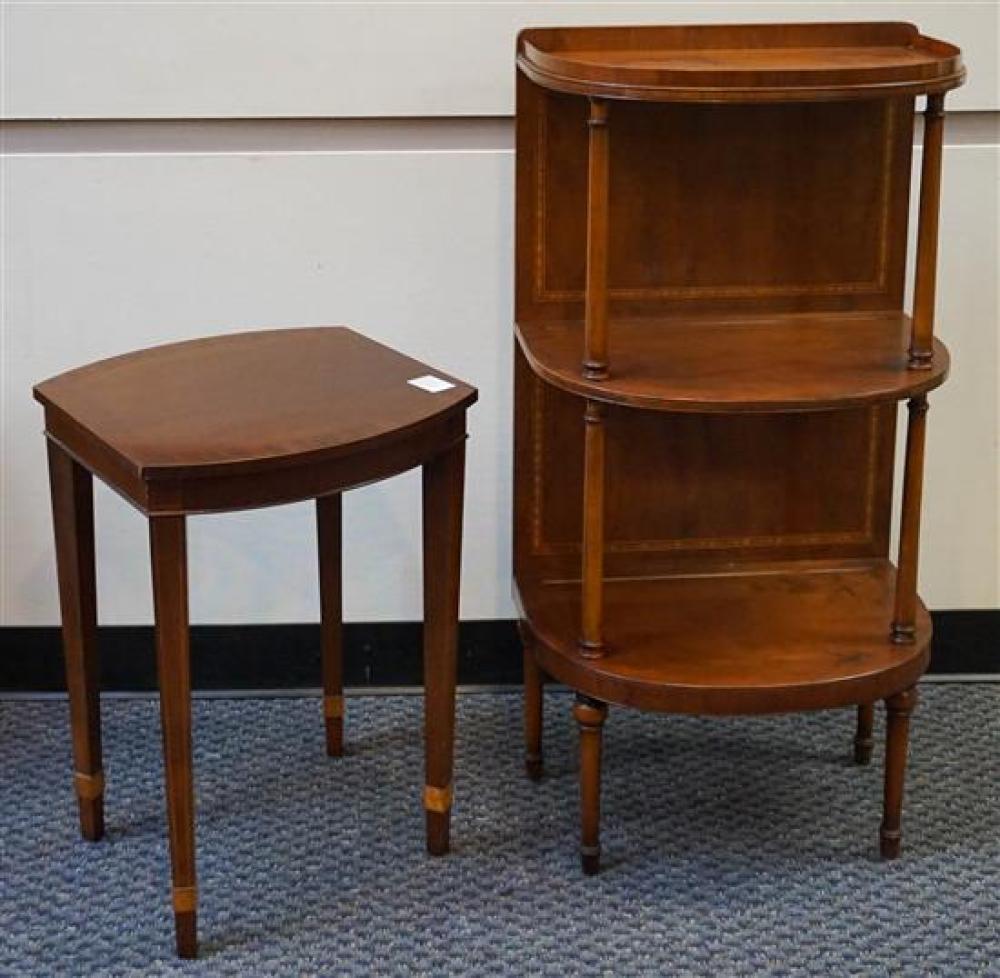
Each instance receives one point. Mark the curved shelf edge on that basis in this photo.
(733, 644)
(779, 93)
(765, 365)
(740, 63)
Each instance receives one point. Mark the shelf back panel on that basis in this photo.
(742, 208)
(717, 209)
(693, 491)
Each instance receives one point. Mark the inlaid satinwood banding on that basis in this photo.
(438, 799)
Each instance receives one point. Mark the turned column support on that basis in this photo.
(595, 362)
(922, 337)
(590, 715)
(592, 570)
(864, 740)
(904, 617)
(899, 709)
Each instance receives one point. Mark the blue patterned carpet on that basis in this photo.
(732, 847)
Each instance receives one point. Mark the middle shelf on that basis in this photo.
(773, 362)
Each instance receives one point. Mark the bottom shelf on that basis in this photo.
(746, 642)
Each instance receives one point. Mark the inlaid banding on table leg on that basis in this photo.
(333, 707)
(185, 899)
(438, 799)
(89, 786)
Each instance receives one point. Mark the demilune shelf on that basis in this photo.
(774, 362)
(745, 62)
(746, 642)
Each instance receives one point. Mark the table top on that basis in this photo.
(231, 404)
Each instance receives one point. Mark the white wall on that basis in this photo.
(124, 229)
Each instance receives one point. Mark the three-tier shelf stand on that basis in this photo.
(711, 345)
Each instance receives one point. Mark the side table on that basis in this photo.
(235, 422)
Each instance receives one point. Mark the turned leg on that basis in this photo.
(590, 716)
(592, 565)
(533, 712)
(863, 740)
(904, 617)
(328, 525)
(73, 519)
(443, 485)
(898, 710)
(173, 661)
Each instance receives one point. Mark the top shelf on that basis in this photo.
(743, 63)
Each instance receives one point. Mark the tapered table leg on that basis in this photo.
(898, 710)
(443, 487)
(863, 740)
(173, 660)
(73, 520)
(533, 711)
(590, 716)
(328, 524)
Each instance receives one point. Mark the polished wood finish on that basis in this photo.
(864, 741)
(794, 362)
(711, 211)
(250, 419)
(168, 551)
(233, 422)
(443, 487)
(720, 530)
(697, 492)
(757, 640)
(921, 349)
(592, 584)
(73, 521)
(590, 716)
(899, 707)
(904, 615)
(740, 63)
(595, 363)
(328, 533)
(534, 711)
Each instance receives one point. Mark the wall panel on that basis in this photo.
(105, 253)
(147, 59)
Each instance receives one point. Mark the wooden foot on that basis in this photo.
(437, 811)
(186, 921)
(90, 801)
(590, 716)
(328, 526)
(533, 712)
(443, 487)
(72, 494)
(863, 739)
(899, 707)
(173, 660)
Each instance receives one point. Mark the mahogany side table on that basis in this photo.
(235, 422)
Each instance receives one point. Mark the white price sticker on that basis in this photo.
(432, 384)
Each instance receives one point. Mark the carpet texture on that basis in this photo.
(741, 846)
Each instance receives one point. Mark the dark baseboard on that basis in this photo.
(375, 654)
(262, 656)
